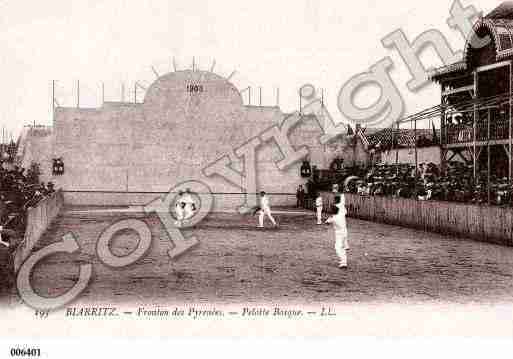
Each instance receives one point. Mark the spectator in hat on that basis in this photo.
(300, 196)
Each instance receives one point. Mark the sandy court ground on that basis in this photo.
(237, 263)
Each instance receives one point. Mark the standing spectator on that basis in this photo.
(51, 188)
(300, 196)
(316, 174)
(311, 188)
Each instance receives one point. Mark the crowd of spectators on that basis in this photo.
(456, 183)
(429, 183)
(20, 189)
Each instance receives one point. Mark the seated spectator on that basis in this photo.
(34, 200)
(427, 192)
(2, 242)
(18, 192)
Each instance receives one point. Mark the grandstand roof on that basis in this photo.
(503, 11)
(499, 24)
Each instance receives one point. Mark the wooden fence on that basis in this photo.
(484, 223)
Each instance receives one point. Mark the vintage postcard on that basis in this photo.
(255, 169)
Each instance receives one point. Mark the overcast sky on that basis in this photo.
(271, 44)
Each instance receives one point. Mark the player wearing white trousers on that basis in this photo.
(265, 210)
(340, 248)
(340, 228)
(318, 207)
(189, 204)
(179, 211)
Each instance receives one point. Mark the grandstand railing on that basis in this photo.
(482, 223)
(461, 133)
(39, 219)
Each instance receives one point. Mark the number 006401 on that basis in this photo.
(25, 352)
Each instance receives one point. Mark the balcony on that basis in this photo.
(498, 132)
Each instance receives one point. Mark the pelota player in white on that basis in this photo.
(189, 207)
(318, 207)
(340, 229)
(179, 209)
(264, 209)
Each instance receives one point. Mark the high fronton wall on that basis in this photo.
(171, 138)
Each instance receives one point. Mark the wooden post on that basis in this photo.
(78, 93)
(277, 97)
(155, 72)
(488, 156)
(53, 103)
(135, 92)
(474, 152)
(103, 93)
(300, 103)
(396, 147)
(443, 135)
(509, 112)
(416, 157)
(260, 95)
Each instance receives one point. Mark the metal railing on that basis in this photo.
(465, 133)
